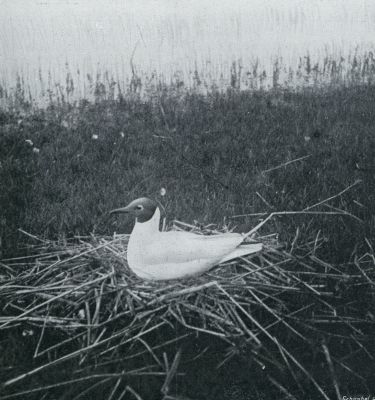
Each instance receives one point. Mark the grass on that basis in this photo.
(215, 155)
(229, 158)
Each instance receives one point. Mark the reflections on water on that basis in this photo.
(193, 41)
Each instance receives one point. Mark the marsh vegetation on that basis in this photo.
(229, 144)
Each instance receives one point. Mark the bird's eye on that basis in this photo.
(139, 207)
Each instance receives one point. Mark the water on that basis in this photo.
(43, 41)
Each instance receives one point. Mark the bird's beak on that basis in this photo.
(124, 210)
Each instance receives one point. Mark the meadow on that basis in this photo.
(224, 157)
(218, 155)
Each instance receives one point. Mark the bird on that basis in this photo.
(154, 255)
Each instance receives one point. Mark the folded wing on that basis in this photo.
(181, 247)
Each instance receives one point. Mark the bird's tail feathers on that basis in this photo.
(242, 251)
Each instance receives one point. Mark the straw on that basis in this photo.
(86, 308)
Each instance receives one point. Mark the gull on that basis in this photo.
(154, 255)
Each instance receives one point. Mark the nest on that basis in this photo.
(91, 325)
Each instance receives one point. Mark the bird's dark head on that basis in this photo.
(142, 209)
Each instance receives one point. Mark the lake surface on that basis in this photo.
(43, 41)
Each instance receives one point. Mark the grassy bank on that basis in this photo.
(64, 167)
(220, 157)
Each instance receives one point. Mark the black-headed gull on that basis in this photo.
(155, 255)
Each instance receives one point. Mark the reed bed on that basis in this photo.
(93, 327)
(329, 72)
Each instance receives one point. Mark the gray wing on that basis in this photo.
(180, 247)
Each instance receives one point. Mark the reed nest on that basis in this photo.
(93, 328)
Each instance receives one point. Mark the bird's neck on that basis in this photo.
(148, 227)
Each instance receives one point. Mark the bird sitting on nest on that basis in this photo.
(155, 255)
